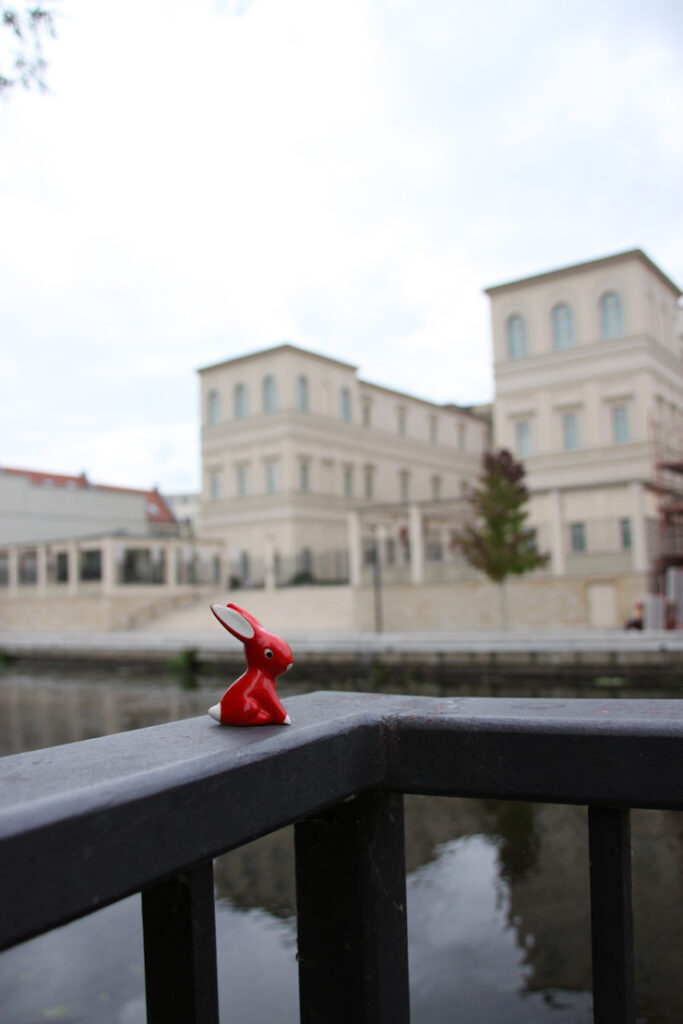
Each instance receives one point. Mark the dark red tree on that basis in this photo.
(497, 541)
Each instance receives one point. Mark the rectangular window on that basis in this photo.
(619, 424)
(369, 482)
(436, 488)
(523, 438)
(304, 475)
(570, 431)
(242, 481)
(272, 476)
(91, 565)
(348, 481)
(62, 567)
(625, 533)
(214, 484)
(402, 422)
(404, 486)
(462, 436)
(433, 429)
(345, 405)
(577, 533)
(327, 476)
(367, 412)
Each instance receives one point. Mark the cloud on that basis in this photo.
(211, 178)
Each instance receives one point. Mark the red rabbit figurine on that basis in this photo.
(252, 699)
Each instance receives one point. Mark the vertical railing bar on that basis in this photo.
(351, 908)
(609, 839)
(179, 928)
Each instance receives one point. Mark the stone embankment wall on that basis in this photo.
(535, 602)
(88, 613)
(541, 601)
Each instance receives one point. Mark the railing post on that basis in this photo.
(609, 838)
(179, 928)
(351, 906)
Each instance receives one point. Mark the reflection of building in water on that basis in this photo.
(262, 873)
(550, 911)
(549, 904)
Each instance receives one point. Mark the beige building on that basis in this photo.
(589, 394)
(310, 472)
(301, 458)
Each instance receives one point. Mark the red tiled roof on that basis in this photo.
(58, 479)
(156, 509)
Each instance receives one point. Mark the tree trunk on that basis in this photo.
(503, 607)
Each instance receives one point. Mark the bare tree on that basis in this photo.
(25, 27)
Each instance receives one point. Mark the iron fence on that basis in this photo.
(85, 824)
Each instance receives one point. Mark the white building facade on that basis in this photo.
(313, 475)
(297, 453)
(588, 367)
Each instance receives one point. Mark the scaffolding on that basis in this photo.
(667, 484)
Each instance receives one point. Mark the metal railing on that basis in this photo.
(85, 824)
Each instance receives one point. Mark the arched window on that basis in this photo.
(516, 336)
(269, 393)
(611, 320)
(563, 326)
(213, 408)
(302, 393)
(241, 401)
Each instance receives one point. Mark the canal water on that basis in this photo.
(498, 909)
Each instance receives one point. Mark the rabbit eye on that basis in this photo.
(268, 653)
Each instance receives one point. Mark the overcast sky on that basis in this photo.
(211, 177)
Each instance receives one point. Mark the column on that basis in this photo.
(13, 571)
(108, 565)
(355, 548)
(557, 553)
(41, 569)
(638, 528)
(74, 568)
(417, 552)
(167, 555)
(269, 562)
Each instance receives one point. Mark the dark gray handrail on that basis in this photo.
(88, 823)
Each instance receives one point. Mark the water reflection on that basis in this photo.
(497, 898)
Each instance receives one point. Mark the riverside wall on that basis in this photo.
(534, 602)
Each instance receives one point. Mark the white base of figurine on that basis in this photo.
(215, 713)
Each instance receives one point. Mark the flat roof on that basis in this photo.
(468, 410)
(288, 347)
(578, 268)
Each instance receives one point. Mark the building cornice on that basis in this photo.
(581, 268)
(581, 355)
(447, 407)
(277, 350)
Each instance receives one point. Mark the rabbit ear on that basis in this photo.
(233, 621)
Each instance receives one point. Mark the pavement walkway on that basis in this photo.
(215, 642)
